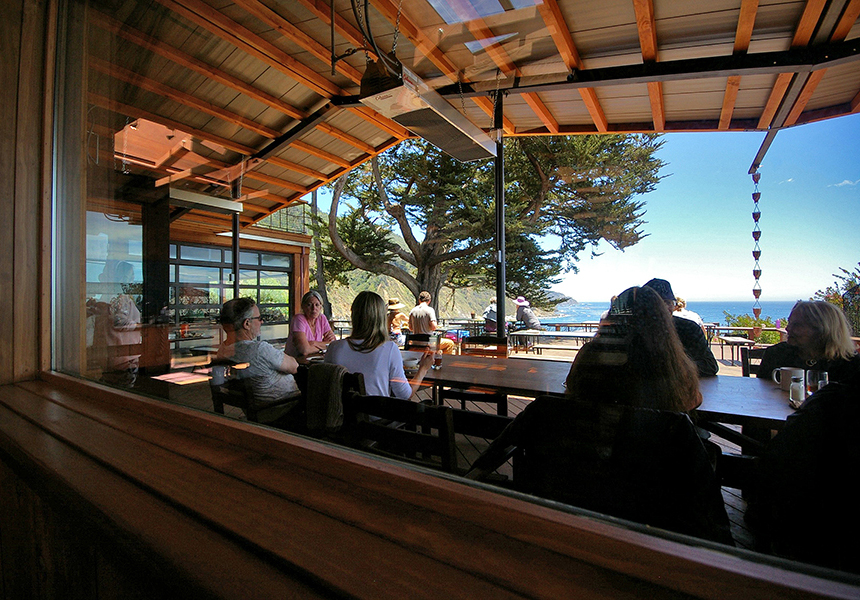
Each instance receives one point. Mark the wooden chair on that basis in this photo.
(748, 368)
(411, 431)
(643, 465)
(421, 341)
(319, 414)
(227, 388)
(487, 346)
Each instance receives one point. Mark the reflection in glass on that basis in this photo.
(276, 260)
(191, 274)
(274, 279)
(200, 253)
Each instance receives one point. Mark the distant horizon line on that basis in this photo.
(699, 300)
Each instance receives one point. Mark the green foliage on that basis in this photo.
(845, 294)
(766, 337)
(562, 194)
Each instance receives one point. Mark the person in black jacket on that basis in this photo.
(694, 340)
(819, 337)
(620, 441)
(804, 504)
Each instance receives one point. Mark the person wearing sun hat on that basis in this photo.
(396, 320)
(526, 314)
(692, 337)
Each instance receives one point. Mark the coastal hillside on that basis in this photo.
(452, 304)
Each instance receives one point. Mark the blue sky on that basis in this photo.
(699, 219)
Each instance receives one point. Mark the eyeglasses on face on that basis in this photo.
(252, 318)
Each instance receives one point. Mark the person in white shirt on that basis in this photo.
(681, 311)
(422, 319)
(369, 350)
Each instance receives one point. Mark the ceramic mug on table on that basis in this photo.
(783, 376)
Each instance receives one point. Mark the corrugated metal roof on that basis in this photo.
(233, 77)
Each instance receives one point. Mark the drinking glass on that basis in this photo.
(815, 380)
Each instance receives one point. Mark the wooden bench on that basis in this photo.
(538, 348)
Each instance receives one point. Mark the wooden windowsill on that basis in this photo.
(218, 504)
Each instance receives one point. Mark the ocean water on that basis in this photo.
(711, 312)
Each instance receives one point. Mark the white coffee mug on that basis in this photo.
(783, 376)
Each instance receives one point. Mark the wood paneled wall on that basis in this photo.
(24, 71)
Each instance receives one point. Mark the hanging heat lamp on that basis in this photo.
(756, 234)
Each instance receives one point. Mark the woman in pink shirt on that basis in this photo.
(310, 332)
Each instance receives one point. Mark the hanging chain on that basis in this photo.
(460, 87)
(360, 17)
(496, 98)
(241, 178)
(125, 145)
(396, 27)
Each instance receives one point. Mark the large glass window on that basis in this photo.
(134, 300)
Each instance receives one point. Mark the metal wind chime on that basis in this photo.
(756, 233)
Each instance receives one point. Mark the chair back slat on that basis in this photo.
(748, 355)
(417, 432)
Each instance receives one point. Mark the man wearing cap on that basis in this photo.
(396, 320)
(526, 314)
(692, 337)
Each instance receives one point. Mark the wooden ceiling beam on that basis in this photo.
(189, 62)
(802, 35)
(280, 162)
(560, 33)
(322, 10)
(846, 21)
(808, 21)
(216, 23)
(646, 26)
(812, 15)
(840, 32)
(276, 181)
(482, 32)
(776, 94)
(297, 36)
(139, 113)
(345, 137)
(743, 36)
(387, 125)
(145, 83)
(313, 151)
(205, 16)
(428, 48)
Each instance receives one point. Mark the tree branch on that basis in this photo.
(476, 249)
(357, 261)
(398, 213)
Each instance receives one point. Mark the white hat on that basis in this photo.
(395, 303)
(520, 301)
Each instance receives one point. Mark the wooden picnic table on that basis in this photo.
(532, 338)
(733, 342)
(748, 401)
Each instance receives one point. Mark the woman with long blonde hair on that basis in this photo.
(369, 350)
(819, 337)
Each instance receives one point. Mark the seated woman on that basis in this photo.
(819, 337)
(620, 442)
(396, 321)
(310, 332)
(369, 351)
